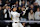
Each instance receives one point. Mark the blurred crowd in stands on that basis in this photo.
(4, 14)
(4, 7)
(29, 9)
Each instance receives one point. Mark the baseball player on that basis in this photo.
(15, 17)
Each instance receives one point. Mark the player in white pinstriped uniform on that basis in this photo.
(15, 18)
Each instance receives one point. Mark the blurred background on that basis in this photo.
(29, 9)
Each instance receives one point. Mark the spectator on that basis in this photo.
(32, 7)
(6, 12)
(31, 15)
(38, 1)
(31, 1)
(22, 15)
(16, 3)
(0, 3)
(23, 3)
(27, 4)
(22, 9)
(19, 2)
(37, 14)
(4, 7)
(1, 14)
(35, 6)
(19, 10)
